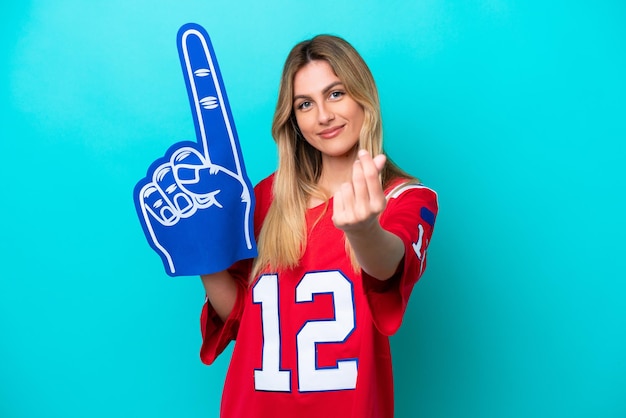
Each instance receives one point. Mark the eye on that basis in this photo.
(337, 94)
(304, 105)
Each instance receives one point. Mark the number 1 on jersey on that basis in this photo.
(270, 377)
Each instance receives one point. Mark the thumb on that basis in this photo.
(379, 162)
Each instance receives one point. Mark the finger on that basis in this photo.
(215, 129)
(346, 202)
(371, 177)
(188, 167)
(154, 205)
(379, 162)
(150, 206)
(359, 184)
(174, 197)
(372, 166)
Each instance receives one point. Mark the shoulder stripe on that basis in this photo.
(398, 190)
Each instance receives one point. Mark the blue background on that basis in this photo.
(514, 111)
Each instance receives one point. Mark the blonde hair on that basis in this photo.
(283, 237)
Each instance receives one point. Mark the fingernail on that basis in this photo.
(362, 152)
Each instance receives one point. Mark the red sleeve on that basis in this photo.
(410, 214)
(217, 334)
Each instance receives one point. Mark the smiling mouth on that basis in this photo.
(331, 132)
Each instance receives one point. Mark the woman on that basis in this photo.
(342, 238)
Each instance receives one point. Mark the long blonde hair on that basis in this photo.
(283, 237)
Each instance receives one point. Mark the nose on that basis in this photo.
(325, 114)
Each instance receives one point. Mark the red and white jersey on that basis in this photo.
(312, 342)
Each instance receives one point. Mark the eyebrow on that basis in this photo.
(324, 91)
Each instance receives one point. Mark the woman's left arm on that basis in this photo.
(356, 209)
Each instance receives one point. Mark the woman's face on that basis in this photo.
(329, 119)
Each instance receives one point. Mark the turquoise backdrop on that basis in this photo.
(514, 111)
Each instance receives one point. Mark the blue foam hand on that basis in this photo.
(196, 203)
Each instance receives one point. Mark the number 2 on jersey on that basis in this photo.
(311, 378)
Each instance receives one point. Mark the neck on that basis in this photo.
(335, 171)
